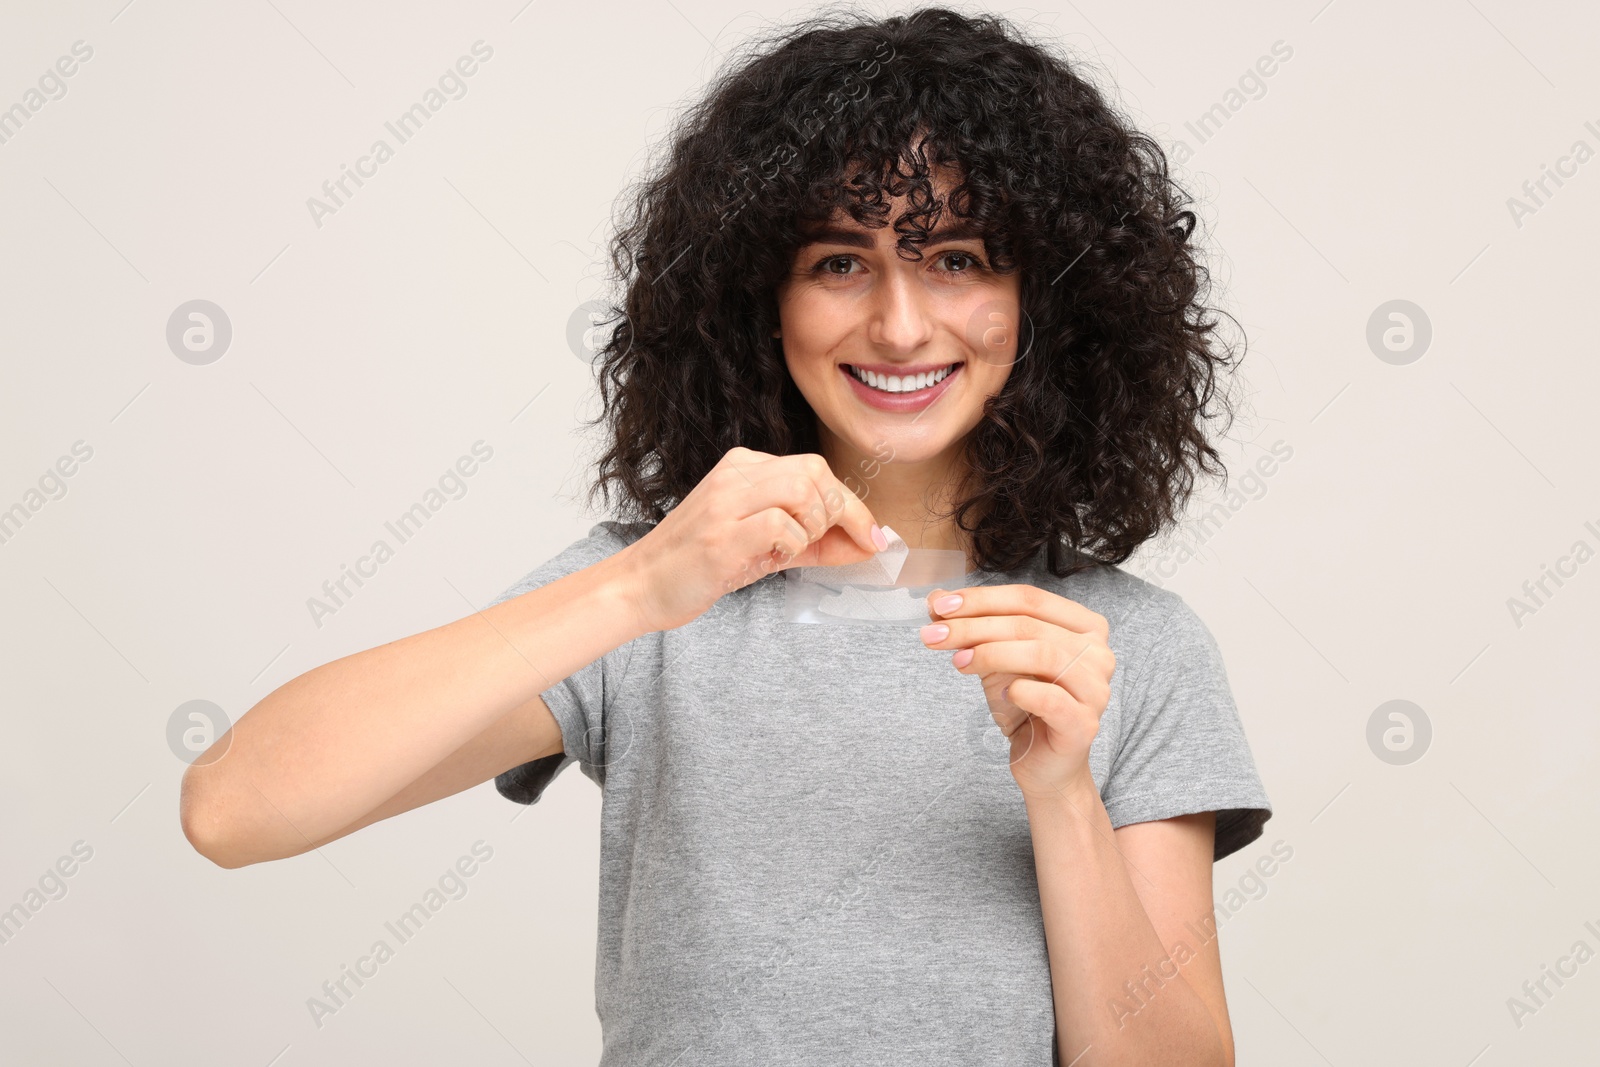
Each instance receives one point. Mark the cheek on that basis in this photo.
(991, 327)
(988, 378)
(810, 372)
(810, 340)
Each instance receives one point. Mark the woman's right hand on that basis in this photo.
(751, 515)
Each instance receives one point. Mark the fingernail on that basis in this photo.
(935, 633)
(1006, 691)
(946, 604)
(962, 658)
(878, 537)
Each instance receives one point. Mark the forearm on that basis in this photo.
(326, 748)
(1114, 1000)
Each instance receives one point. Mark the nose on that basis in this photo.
(902, 319)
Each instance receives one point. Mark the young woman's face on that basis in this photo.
(934, 338)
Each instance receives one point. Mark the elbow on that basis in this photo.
(214, 817)
(204, 824)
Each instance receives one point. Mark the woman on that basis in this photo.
(910, 273)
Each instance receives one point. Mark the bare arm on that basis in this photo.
(382, 731)
(1131, 983)
(523, 734)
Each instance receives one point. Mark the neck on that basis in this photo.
(915, 498)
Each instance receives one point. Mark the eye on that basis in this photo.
(973, 262)
(823, 265)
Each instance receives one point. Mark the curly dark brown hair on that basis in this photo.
(1092, 446)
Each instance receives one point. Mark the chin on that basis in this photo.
(900, 441)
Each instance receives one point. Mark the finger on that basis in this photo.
(741, 462)
(740, 455)
(1005, 714)
(807, 540)
(1019, 599)
(844, 508)
(772, 538)
(994, 688)
(807, 486)
(1009, 720)
(795, 491)
(1084, 671)
(956, 632)
(1060, 711)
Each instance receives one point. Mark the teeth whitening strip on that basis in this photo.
(873, 591)
(854, 603)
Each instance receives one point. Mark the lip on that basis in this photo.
(900, 402)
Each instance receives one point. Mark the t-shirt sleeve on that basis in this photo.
(1182, 748)
(579, 702)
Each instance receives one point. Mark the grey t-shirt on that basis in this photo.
(812, 847)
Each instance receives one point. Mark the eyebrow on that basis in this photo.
(955, 231)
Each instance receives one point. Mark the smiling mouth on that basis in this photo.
(893, 384)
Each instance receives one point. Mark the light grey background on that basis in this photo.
(431, 311)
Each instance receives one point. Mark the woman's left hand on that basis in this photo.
(1046, 668)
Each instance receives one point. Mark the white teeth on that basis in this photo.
(895, 384)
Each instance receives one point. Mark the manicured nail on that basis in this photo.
(878, 537)
(946, 604)
(962, 658)
(935, 633)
